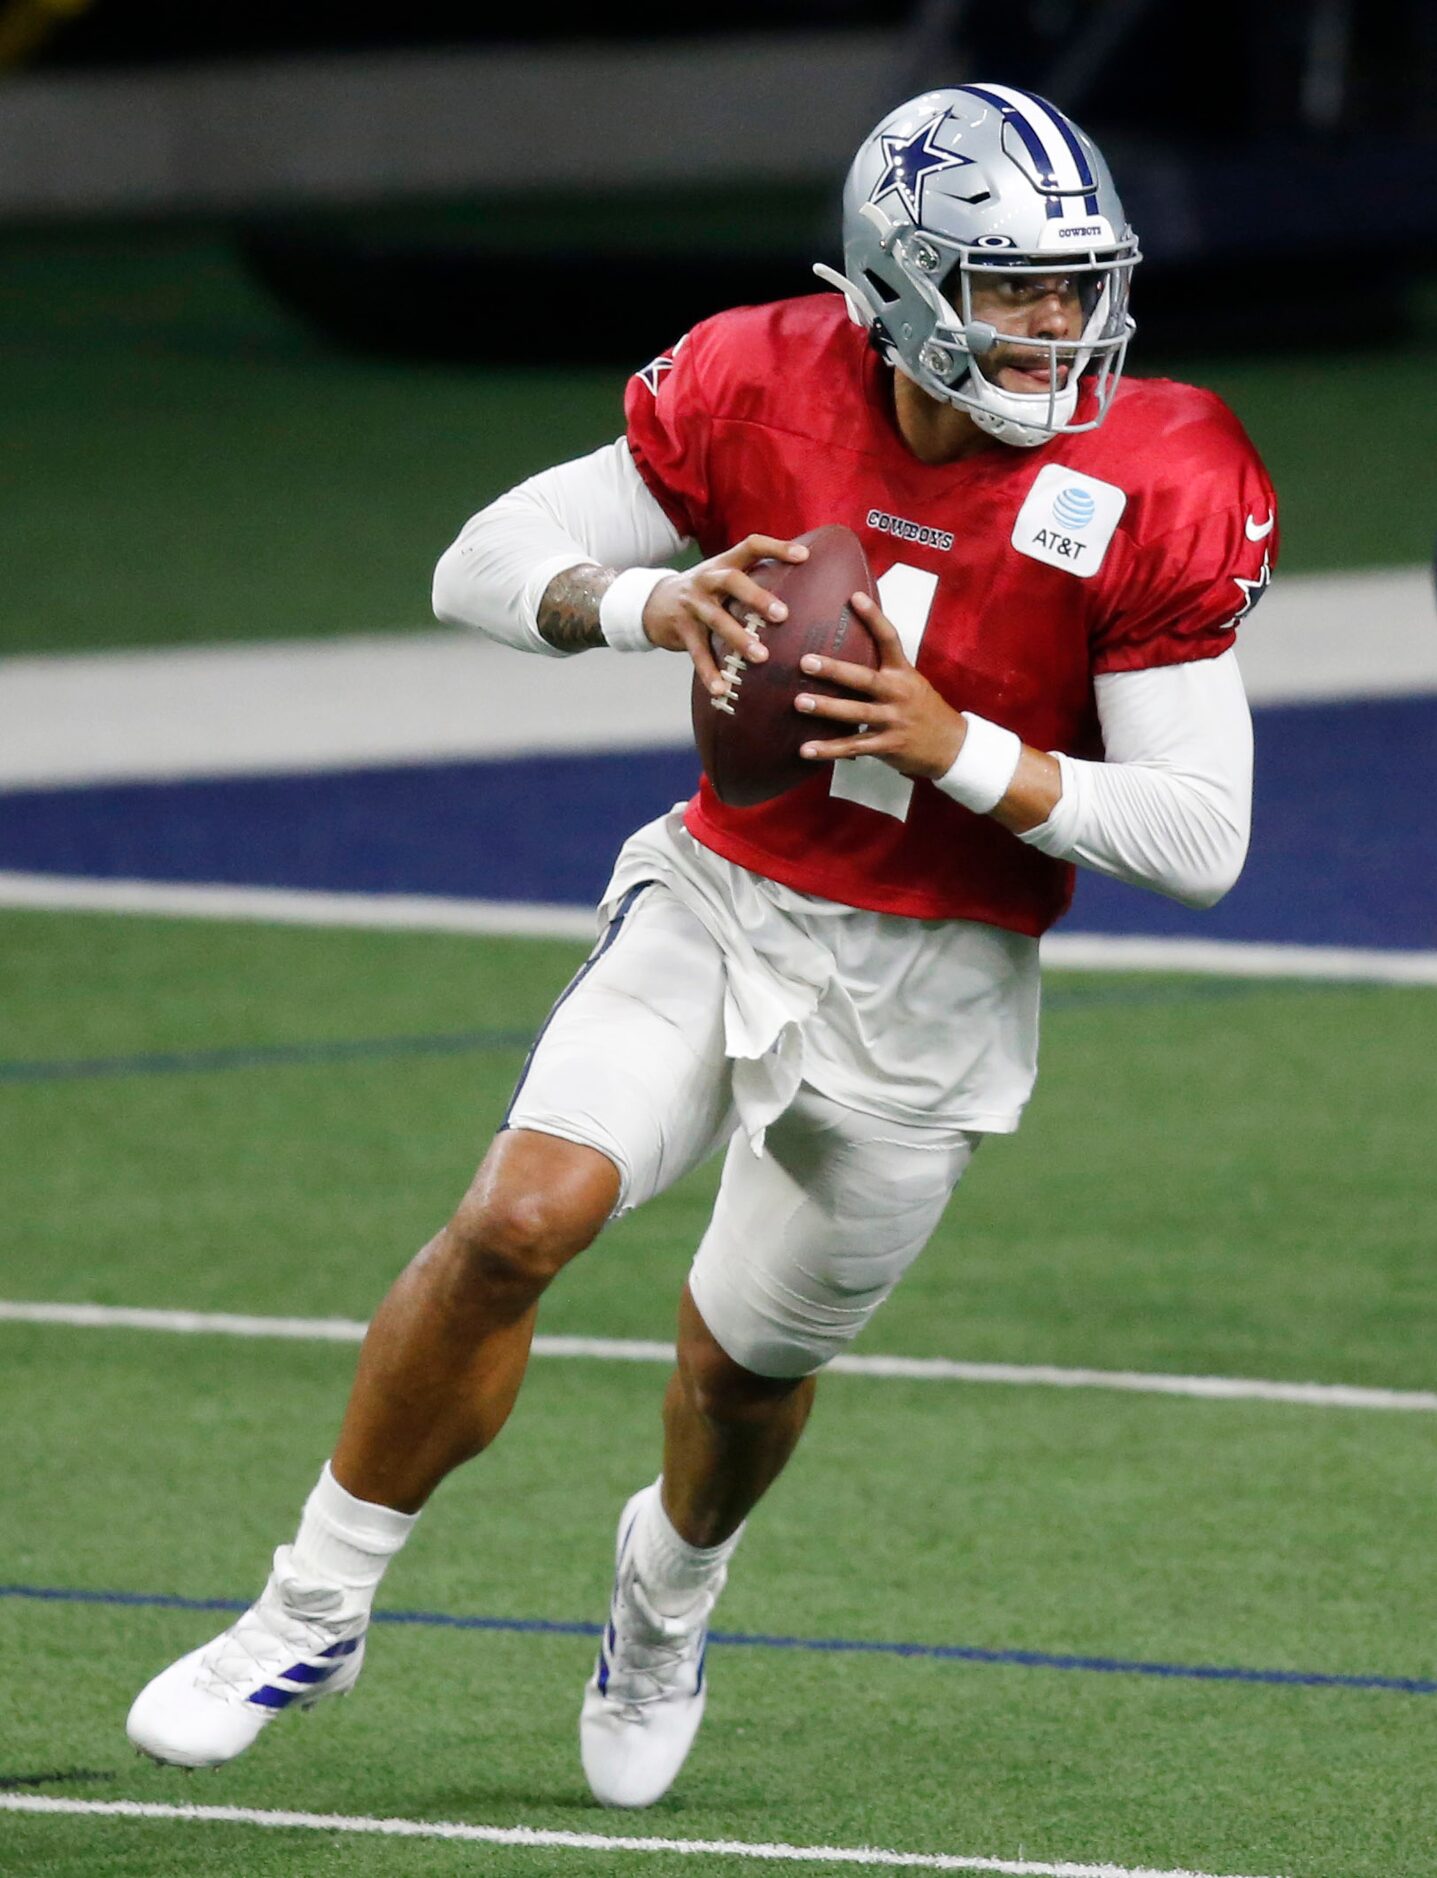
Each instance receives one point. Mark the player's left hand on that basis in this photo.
(906, 724)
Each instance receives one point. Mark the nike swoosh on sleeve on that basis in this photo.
(1258, 531)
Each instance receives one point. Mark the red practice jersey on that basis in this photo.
(1013, 577)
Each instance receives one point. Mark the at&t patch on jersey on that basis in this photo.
(1068, 520)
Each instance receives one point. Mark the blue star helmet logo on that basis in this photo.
(910, 162)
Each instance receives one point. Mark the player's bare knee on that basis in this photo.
(513, 1239)
(516, 1243)
(535, 1203)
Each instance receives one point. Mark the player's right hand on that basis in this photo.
(682, 611)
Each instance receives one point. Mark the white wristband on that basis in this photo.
(621, 610)
(984, 768)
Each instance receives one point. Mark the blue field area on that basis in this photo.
(1344, 849)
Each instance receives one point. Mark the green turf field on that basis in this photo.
(182, 463)
(1216, 1177)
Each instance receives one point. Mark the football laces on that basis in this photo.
(734, 667)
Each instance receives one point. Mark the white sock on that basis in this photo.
(346, 1542)
(675, 1574)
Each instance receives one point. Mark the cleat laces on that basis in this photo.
(275, 1639)
(650, 1654)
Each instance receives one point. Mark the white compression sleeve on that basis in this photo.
(595, 509)
(1171, 806)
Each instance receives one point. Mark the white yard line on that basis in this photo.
(416, 912)
(1233, 958)
(280, 906)
(626, 1350)
(534, 1838)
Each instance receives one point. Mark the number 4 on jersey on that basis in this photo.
(906, 595)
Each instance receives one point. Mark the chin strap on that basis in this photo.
(1008, 430)
(1003, 414)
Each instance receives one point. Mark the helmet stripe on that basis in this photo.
(1063, 127)
(1069, 137)
(1021, 107)
(1033, 143)
(1060, 160)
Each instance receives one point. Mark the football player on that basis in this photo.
(841, 985)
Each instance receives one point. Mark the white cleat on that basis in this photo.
(290, 1650)
(645, 1700)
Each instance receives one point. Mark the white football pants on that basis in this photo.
(807, 1239)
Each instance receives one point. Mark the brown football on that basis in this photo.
(749, 739)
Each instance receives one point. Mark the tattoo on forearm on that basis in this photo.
(569, 611)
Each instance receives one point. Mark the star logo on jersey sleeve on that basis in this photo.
(653, 372)
(910, 161)
(1251, 590)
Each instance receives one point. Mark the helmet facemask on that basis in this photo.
(950, 362)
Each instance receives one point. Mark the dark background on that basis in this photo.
(1273, 158)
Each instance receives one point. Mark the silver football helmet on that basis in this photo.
(961, 183)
